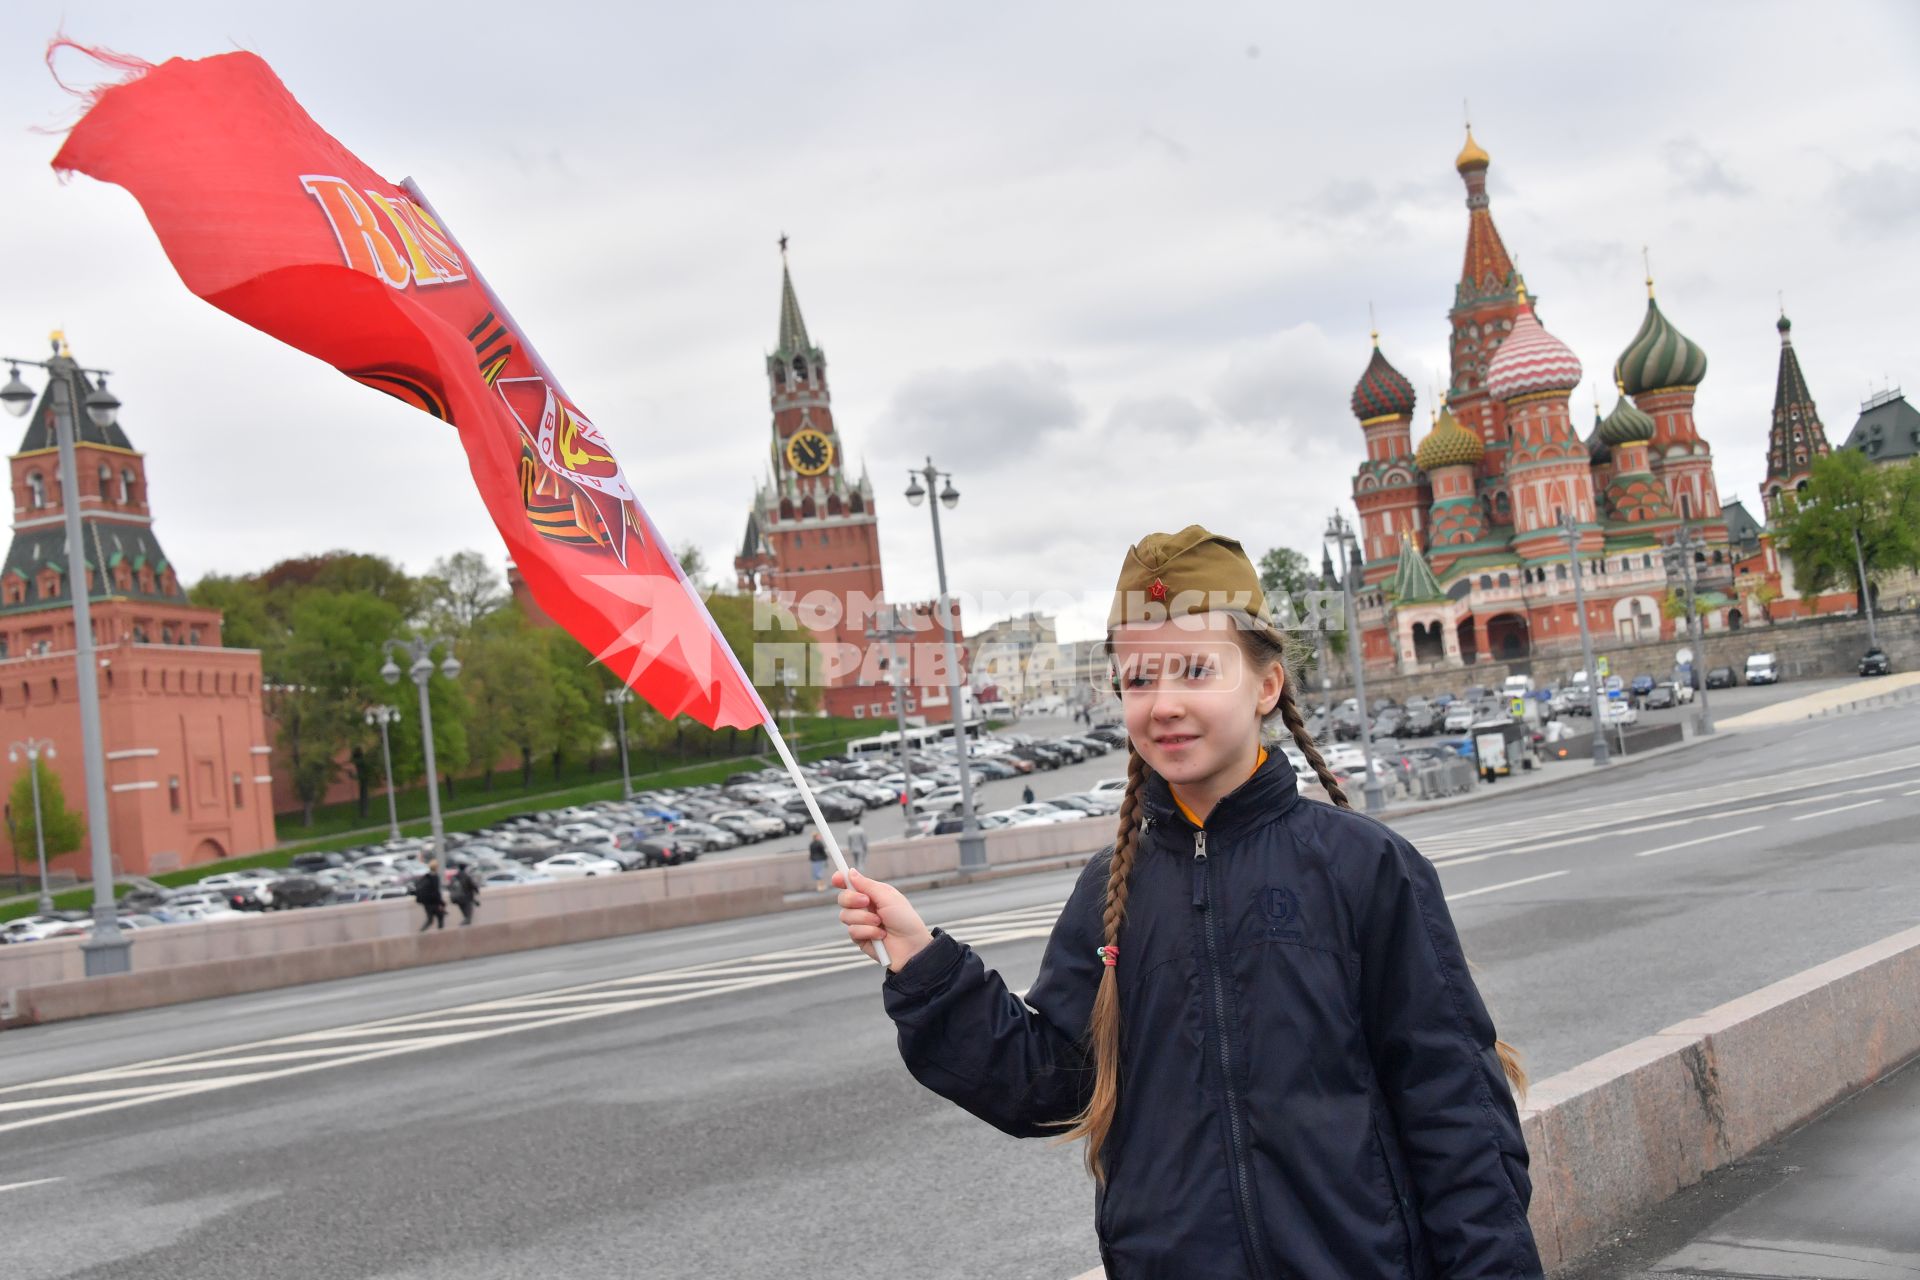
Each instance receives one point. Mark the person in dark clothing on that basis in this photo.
(1254, 1008)
(428, 893)
(817, 856)
(465, 891)
(1026, 794)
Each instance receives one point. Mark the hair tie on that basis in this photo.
(1110, 956)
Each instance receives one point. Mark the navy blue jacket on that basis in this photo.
(1309, 1087)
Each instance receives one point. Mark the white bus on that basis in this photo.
(888, 743)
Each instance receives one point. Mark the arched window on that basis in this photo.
(1505, 581)
(129, 486)
(1486, 582)
(36, 490)
(1560, 572)
(106, 483)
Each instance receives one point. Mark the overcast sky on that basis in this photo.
(1109, 263)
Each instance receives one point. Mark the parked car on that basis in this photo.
(1663, 696)
(1642, 686)
(749, 825)
(1876, 663)
(951, 823)
(664, 853)
(1722, 678)
(574, 866)
(1390, 722)
(1762, 669)
(1460, 717)
(1620, 711)
(516, 875)
(833, 808)
(1113, 786)
(289, 892)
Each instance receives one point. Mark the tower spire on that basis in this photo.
(1796, 437)
(792, 338)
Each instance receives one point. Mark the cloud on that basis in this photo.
(992, 412)
(1693, 170)
(1290, 380)
(1879, 199)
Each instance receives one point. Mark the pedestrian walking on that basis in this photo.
(1026, 794)
(465, 892)
(817, 856)
(1307, 1082)
(857, 845)
(428, 892)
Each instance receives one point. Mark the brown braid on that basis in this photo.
(1103, 1026)
(1297, 726)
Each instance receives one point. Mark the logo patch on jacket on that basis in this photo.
(1280, 908)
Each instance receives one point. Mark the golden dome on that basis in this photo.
(1448, 445)
(1472, 156)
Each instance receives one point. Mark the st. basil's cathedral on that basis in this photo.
(1463, 552)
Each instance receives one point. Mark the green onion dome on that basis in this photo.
(1448, 445)
(1626, 425)
(1660, 356)
(1383, 391)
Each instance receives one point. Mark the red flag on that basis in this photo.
(266, 216)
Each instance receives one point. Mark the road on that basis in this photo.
(726, 1100)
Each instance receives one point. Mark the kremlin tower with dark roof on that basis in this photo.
(1465, 554)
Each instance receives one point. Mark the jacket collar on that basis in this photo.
(1271, 791)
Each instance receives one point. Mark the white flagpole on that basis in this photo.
(826, 832)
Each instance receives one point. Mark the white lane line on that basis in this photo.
(1688, 844)
(1803, 817)
(1511, 884)
(1561, 844)
(21, 1186)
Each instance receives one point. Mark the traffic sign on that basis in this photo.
(1601, 663)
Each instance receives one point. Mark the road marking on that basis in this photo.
(1561, 844)
(29, 1105)
(1803, 817)
(1688, 844)
(21, 1186)
(1511, 884)
(1443, 844)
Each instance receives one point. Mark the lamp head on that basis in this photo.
(450, 668)
(17, 396)
(949, 496)
(103, 406)
(390, 672)
(915, 494)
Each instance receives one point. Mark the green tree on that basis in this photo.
(1852, 511)
(65, 829)
(693, 563)
(460, 590)
(330, 667)
(245, 620)
(510, 697)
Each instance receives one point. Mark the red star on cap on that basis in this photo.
(1158, 590)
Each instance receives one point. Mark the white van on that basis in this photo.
(1761, 669)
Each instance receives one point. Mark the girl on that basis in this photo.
(1254, 1007)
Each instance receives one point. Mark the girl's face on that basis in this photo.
(1193, 703)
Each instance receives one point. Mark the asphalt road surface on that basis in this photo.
(727, 1100)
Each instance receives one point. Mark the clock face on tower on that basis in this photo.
(810, 452)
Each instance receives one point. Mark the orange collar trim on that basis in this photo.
(1188, 813)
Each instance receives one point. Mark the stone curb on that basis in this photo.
(1615, 1136)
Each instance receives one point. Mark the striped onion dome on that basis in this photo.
(1448, 445)
(1531, 360)
(1626, 425)
(1382, 392)
(1660, 356)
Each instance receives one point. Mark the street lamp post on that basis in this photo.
(618, 698)
(107, 949)
(1341, 536)
(384, 716)
(973, 847)
(1866, 596)
(35, 750)
(887, 627)
(1683, 548)
(1596, 702)
(420, 654)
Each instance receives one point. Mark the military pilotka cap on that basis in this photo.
(1172, 575)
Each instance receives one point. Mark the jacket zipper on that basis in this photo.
(1242, 1180)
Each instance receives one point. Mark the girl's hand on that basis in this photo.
(872, 911)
